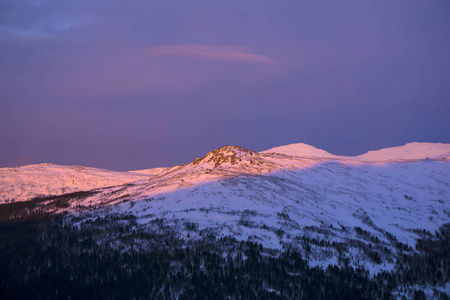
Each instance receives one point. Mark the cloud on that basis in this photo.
(227, 53)
(40, 19)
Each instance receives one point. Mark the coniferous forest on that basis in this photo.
(111, 258)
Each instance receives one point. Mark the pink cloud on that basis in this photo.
(229, 53)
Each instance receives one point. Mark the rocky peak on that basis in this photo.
(226, 154)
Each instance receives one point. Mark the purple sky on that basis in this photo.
(138, 84)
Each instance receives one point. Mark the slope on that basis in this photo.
(406, 152)
(336, 210)
(300, 149)
(26, 182)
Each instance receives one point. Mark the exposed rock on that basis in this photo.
(226, 154)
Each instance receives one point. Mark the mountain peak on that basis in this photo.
(412, 150)
(226, 154)
(299, 149)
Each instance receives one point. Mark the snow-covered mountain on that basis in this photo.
(409, 151)
(273, 197)
(302, 150)
(26, 182)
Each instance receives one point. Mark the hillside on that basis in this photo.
(410, 151)
(371, 211)
(300, 149)
(26, 182)
(236, 191)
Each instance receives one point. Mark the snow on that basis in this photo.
(397, 197)
(407, 152)
(153, 172)
(300, 149)
(26, 182)
(267, 196)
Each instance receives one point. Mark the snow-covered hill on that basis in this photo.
(26, 182)
(152, 172)
(406, 152)
(302, 150)
(274, 197)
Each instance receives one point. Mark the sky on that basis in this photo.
(127, 85)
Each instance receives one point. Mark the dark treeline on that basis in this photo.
(431, 264)
(111, 259)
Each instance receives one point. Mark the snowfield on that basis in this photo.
(26, 182)
(274, 197)
(409, 151)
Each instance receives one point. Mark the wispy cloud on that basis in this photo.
(47, 29)
(227, 53)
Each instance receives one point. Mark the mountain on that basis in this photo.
(409, 151)
(300, 149)
(26, 182)
(236, 191)
(372, 211)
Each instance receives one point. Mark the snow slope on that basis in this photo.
(26, 182)
(246, 194)
(409, 151)
(397, 197)
(390, 195)
(152, 172)
(300, 149)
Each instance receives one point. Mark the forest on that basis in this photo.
(110, 257)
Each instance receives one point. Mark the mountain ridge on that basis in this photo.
(266, 197)
(45, 179)
(413, 150)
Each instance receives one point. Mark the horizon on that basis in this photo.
(204, 154)
(145, 85)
